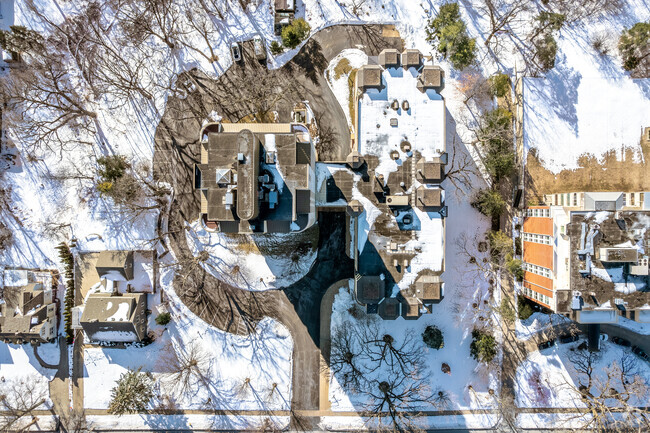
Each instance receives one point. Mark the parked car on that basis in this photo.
(260, 49)
(546, 344)
(568, 338)
(640, 353)
(621, 341)
(235, 51)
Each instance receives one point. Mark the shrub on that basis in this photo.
(295, 33)
(600, 43)
(546, 50)
(514, 266)
(506, 311)
(68, 303)
(105, 187)
(499, 85)
(483, 347)
(489, 202)
(500, 245)
(276, 48)
(132, 394)
(524, 308)
(163, 318)
(112, 167)
(447, 33)
(432, 337)
(634, 46)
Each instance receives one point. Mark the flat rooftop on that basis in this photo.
(422, 124)
(601, 282)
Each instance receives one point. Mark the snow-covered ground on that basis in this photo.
(339, 82)
(549, 378)
(22, 375)
(587, 103)
(236, 372)
(254, 262)
(537, 323)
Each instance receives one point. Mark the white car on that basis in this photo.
(235, 51)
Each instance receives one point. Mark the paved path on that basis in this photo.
(60, 385)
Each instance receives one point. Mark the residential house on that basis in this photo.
(28, 314)
(111, 317)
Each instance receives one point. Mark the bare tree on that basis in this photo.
(614, 397)
(501, 14)
(141, 19)
(461, 171)
(394, 402)
(188, 366)
(401, 357)
(345, 357)
(19, 399)
(200, 22)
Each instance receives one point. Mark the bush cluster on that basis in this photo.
(296, 32)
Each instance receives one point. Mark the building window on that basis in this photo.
(575, 199)
(538, 213)
(632, 199)
(539, 270)
(538, 239)
(624, 200)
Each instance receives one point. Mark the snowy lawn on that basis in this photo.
(233, 372)
(255, 262)
(21, 376)
(464, 370)
(339, 73)
(550, 378)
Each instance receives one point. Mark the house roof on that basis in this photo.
(429, 197)
(389, 57)
(370, 289)
(430, 171)
(389, 309)
(430, 77)
(411, 57)
(369, 76)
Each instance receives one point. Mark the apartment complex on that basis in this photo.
(586, 255)
(394, 192)
(256, 178)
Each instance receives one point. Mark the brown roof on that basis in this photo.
(428, 288)
(389, 57)
(428, 197)
(411, 57)
(369, 76)
(115, 261)
(410, 308)
(431, 76)
(389, 309)
(429, 171)
(370, 289)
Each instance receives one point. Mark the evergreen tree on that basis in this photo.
(432, 337)
(483, 347)
(132, 394)
(295, 33)
(68, 303)
(20, 39)
(447, 33)
(634, 46)
(489, 202)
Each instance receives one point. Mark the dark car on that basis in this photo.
(640, 353)
(621, 341)
(235, 50)
(568, 338)
(546, 344)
